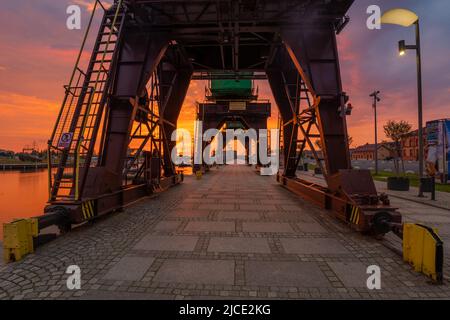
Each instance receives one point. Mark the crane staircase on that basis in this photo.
(71, 146)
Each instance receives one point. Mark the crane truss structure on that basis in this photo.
(111, 144)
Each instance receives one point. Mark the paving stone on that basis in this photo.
(443, 229)
(222, 197)
(220, 272)
(352, 274)
(278, 202)
(186, 206)
(167, 226)
(430, 218)
(256, 266)
(216, 206)
(239, 215)
(210, 226)
(124, 295)
(129, 268)
(195, 213)
(312, 227)
(291, 216)
(197, 201)
(291, 207)
(256, 207)
(238, 200)
(246, 245)
(171, 243)
(266, 227)
(313, 246)
(277, 273)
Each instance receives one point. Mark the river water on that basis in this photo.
(24, 194)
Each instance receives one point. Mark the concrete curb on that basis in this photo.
(417, 201)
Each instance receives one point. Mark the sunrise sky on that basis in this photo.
(38, 53)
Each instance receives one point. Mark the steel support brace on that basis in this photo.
(305, 81)
(139, 56)
(278, 74)
(174, 77)
(314, 54)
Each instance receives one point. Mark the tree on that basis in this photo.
(349, 141)
(395, 130)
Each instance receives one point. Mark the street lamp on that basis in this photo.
(374, 105)
(401, 48)
(407, 18)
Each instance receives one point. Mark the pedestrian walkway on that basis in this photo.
(232, 234)
(442, 198)
(413, 209)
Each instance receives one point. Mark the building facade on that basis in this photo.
(410, 145)
(367, 152)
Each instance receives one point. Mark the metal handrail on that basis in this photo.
(75, 67)
(88, 107)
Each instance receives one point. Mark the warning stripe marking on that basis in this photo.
(88, 209)
(355, 214)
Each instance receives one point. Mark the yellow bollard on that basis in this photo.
(199, 174)
(423, 249)
(18, 238)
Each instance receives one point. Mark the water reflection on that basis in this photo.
(24, 194)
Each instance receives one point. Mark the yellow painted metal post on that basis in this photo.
(423, 249)
(49, 168)
(77, 169)
(18, 238)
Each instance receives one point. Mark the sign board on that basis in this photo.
(238, 105)
(432, 132)
(438, 137)
(65, 140)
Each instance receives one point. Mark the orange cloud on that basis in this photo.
(25, 119)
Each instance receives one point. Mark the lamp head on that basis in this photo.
(402, 17)
(375, 94)
(401, 48)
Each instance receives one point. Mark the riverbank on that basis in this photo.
(22, 166)
(7, 163)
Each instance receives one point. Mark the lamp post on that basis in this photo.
(407, 18)
(374, 105)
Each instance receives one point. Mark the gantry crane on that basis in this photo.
(111, 142)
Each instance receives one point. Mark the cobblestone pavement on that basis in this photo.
(442, 198)
(233, 234)
(435, 214)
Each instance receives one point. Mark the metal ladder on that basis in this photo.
(80, 117)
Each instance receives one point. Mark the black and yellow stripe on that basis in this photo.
(88, 209)
(355, 214)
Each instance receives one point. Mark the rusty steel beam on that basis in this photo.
(370, 213)
(163, 43)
